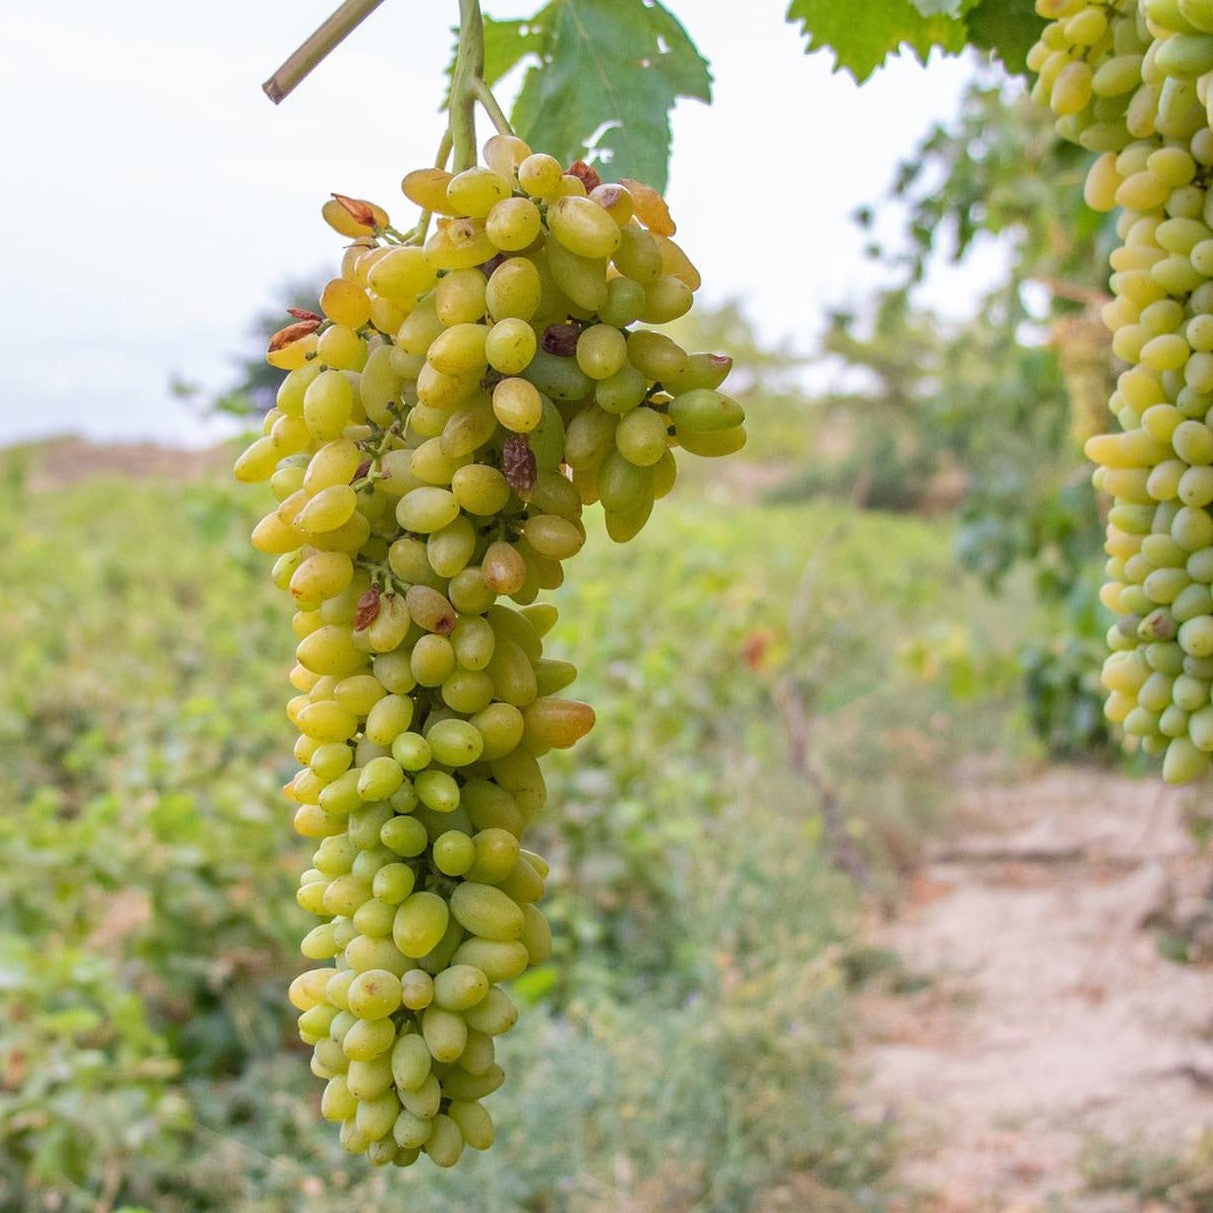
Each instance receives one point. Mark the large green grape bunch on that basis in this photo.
(447, 416)
(1133, 82)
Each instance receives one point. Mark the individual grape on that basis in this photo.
(539, 175)
(445, 1142)
(514, 224)
(454, 853)
(454, 743)
(602, 351)
(583, 227)
(401, 274)
(514, 290)
(510, 345)
(498, 960)
(438, 791)
(459, 350)
(476, 191)
(486, 911)
(420, 923)
(459, 297)
(625, 300)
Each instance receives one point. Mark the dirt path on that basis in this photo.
(1049, 1022)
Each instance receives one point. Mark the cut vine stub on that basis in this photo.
(518, 464)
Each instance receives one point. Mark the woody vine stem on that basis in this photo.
(468, 85)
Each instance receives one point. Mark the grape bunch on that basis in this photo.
(447, 415)
(1139, 96)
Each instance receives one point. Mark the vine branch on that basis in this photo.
(330, 34)
(468, 86)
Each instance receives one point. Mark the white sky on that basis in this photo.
(153, 199)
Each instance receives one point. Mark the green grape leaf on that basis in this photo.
(1006, 27)
(864, 33)
(506, 44)
(609, 72)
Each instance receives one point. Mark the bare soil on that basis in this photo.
(71, 459)
(1048, 1020)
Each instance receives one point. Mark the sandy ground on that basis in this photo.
(1048, 1020)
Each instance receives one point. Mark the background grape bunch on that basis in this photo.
(450, 411)
(1133, 83)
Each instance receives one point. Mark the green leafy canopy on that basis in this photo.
(863, 33)
(602, 77)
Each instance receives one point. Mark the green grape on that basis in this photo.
(514, 224)
(513, 290)
(420, 923)
(454, 743)
(642, 437)
(510, 345)
(476, 191)
(666, 299)
(500, 726)
(337, 1103)
(445, 1032)
(486, 911)
(438, 791)
(625, 300)
(467, 691)
(328, 404)
(637, 256)
(433, 660)
(394, 881)
(583, 280)
(517, 405)
(445, 1142)
(459, 350)
(369, 1080)
(583, 227)
(454, 853)
(474, 1123)
(602, 351)
(424, 510)
(374, 918)
(368, 1039)
(498, 960)
(417, 992)
(557, 376)
(459, 297)
(480, 1053)
(621, 392)
(460, 988)
(554, 537)
(461, 1084)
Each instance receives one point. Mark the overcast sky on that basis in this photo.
(154, 199)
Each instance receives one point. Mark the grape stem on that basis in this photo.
(330, 34)
(467, 76)
(468, 86)
(496, 114)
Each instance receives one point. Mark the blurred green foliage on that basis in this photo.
(987, 415)
(681, 1049)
